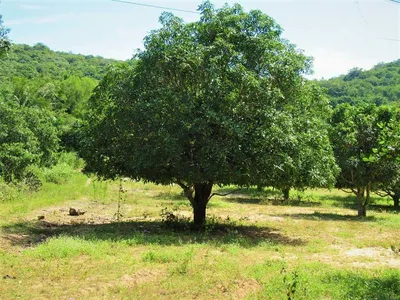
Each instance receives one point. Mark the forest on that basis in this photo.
(201, 122)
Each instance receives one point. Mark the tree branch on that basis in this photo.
(223, 195)
(350, 182)
(181, 184)
(383, 193)
(349, 192)
(187, 190)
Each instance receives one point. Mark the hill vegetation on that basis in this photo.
(379, 86)
(39, 61)
(43, 96)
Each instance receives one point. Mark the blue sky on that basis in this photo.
(339, 34)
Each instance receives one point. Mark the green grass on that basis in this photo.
(50, 194)
(255, 246)
(320, 281)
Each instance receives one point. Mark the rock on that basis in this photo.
(75, 212)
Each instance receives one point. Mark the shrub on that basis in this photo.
(71, 159)
(58, 174)
(9, 191)
(33, 178)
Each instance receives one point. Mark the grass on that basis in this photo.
(49, 195)
(255, 246)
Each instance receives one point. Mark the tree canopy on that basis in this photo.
(357, 136)
(218, 101)
(58, 82)
(27, 136)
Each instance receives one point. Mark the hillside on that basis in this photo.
(40, 61)
(55, 83)
(380, 85)
(39, 77)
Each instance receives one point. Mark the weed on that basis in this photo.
(174, 220)
(100, 188)
(53, 258)
(121, 198)
(215, 223)
(72, 159)
(10, 192)
(290, 280)
(183, 266)
(395, 249)
(33, 179)
(158, 256)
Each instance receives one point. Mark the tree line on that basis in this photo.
(215, 102)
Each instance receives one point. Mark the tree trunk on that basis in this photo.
(286, 192)
(396, 198)
(202, 192)
(362, 210)
(362, 207)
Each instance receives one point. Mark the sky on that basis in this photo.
(339, 34)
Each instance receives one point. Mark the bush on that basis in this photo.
(71, 159)
(33, 178)
(58, 174)
(9, 192)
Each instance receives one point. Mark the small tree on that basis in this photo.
(308, 161)
(209, 102)
(355, 136)
(387, 154)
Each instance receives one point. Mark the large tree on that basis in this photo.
(210, 102)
